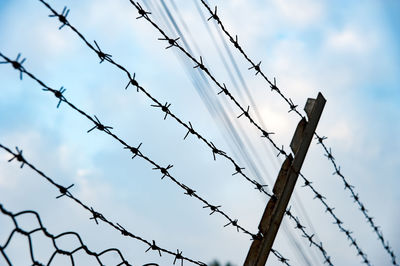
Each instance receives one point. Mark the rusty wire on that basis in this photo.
(96, 216)
(28, 234)
(320, 138)
(135, 151)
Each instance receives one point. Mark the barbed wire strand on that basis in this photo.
(64, 191)
(244, 112)
(320, 138)
(165, 107)
(309, 237)
(134, 150)
(40, 227)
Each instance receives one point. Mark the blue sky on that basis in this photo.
(348, 51)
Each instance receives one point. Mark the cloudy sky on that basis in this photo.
(347, 51)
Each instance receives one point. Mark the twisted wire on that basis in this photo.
(244, 112)
(337, 221)
(64, 191)
(309, 237)
(135, 151)
(320, 139)
(164, 107)
(40, 227)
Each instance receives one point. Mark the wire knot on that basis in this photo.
(100, 126)
(19, 157)
(178, 256)
(214, 16)
(238, 169)
(63, 190)
(154, 247)
(103, 56)
(216, 151)
(320, 139)
(163, 170)
(96, 215)
(212, 208)
(274, 87)
(123, 230)
(141, 11)
(256, 67)
(15, 64)
(133, 81)
(266, 134)
(61, 17)
(189, 191)
(164, 108)
(171, 42)
(190, 130)
(234, 223)
(329, 155)
(292, 106)
(134, 150)
(245, 113)
(224, 90)
(200, 65)
(259, 186)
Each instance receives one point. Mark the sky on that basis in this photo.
(347, 51)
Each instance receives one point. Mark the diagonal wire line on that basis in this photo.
(173, 42)
(320, 139)
(135, 151)
(165, 109)
(64, 191)
(245, 112)
(337, 221)
(40, 227)
(185, 43)
(309, 237)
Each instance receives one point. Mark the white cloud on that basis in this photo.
(300, 13)
(352, 40)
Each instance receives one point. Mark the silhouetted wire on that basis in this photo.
(185, 44)
(327, 151)
(65, 191)
(136, 152)
(309, 237)
(163, 107)
(28, 234)
(244, 112)
(200, 65)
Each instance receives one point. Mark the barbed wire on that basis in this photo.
(337, 221)
(134, 150)
(165, 107)
(40, 227)
(309, 237)
(244, 112)
(320, 139)
(65, 191)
